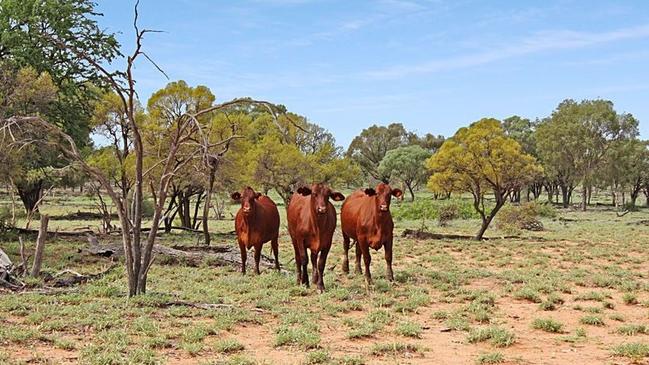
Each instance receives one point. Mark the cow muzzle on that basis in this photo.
(384, 207)
(321, 210)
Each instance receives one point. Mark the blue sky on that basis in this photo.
(433, 65)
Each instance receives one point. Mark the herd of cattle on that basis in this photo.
(365, 218)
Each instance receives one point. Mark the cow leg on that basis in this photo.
(346, 242)
(244, 254)
(314, 266)
(322, 262)
(365, 249)
(257, 257)
(304, 260)
(274, 245)
(358, 259)
(298, 262)
(388, 260)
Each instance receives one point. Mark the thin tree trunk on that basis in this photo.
(206, 206)
(412, 193)
(40, 245)
(584, 198)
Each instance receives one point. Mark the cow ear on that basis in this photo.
(236, 196)
(397, 193)
(304, 191)
(336, 196)
(257, 195)
(370, 192)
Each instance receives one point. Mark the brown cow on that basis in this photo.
(311, 224)
(365, 217)
(256, 223)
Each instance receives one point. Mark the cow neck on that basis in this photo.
(315, 217)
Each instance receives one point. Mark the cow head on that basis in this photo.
(383, 194)
(320, 194)
(247, 200)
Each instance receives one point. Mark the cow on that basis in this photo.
(256, 223)
(311, 224)
(365, 218)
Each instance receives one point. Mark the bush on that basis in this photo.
(524, 216)
(147, 208)
(5, 222)
(447, 213)
(423, 209)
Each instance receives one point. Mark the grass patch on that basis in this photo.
(409, 329)
(592, 320)
(497, 336)
(228, 346)
(548, 325)
(490, 358)
(633, 329)
(634, 351)
(395, 348)
(317, 357)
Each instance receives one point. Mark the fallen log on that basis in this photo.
(216, 255)
(206, 306)
(58, 280)
(423, 235)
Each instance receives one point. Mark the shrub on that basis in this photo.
(423, 209)
(448, 213)
(517, 217)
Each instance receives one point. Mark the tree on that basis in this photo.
(480, 159)
(369, 148)
(522, 131)
(625, 168)
(27, 28)
(184, 134)
(305, 153)
(572, 143)
(24, 91)
(406, 164)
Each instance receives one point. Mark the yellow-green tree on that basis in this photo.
(481, 159)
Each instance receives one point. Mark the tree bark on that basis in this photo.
(584, 197)
(40, 246)
(412, 193)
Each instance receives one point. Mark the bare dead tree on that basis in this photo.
(187, 141)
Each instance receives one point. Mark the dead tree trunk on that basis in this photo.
(40, 246)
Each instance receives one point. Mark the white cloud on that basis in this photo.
(540, 42)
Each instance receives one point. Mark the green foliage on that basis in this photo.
(572, 143)
(427, 209)
(479, 159)
(405, 164)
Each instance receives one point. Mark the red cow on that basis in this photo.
(256, 223)
(365, 217)
(311, 224)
